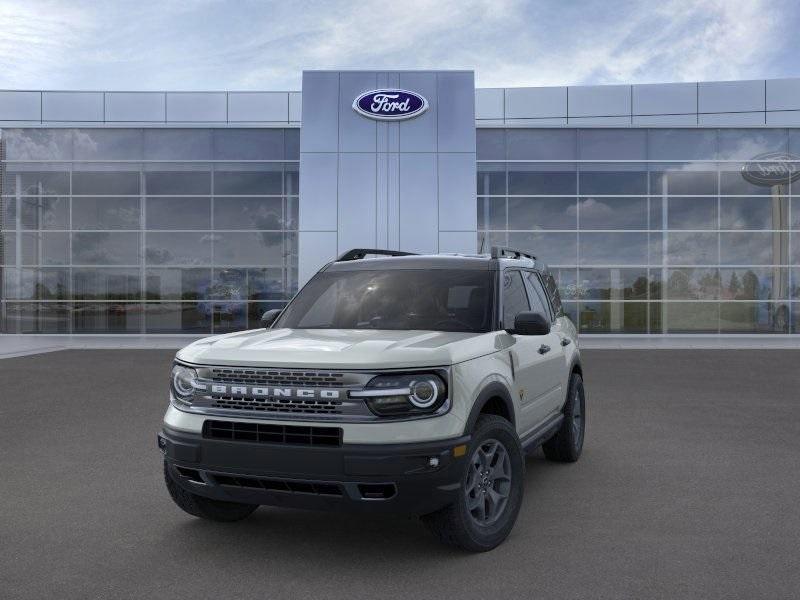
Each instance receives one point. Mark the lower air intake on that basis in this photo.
(273, 434)
(281, 485)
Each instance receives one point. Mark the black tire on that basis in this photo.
(456, 525)
(567, 444)
(205, 508)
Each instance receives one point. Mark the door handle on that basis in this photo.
(544, 349)
(565, 341)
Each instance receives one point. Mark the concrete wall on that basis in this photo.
(407, 185)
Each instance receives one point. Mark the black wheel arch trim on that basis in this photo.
(493, 390)
(574, 367)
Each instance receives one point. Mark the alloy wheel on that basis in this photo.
(488, 484)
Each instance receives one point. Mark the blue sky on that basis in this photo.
(249, 45)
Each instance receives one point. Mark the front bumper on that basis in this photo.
(411, 478)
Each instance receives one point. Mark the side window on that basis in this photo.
(538, 298)
(555, 297)
(515, 298)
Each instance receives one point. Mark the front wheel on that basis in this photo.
(566, 445)
(491, 490)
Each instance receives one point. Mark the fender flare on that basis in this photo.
(576, 365)
(494, 389)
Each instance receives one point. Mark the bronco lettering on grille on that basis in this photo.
(219, 389)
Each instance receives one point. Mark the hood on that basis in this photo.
(339, 348)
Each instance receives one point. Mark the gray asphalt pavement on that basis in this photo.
(689, 487)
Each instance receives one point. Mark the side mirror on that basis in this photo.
(268, 318)
(531, 323)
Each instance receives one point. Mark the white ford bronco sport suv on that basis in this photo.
(402, 383)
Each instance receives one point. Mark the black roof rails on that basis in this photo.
(359, 253)
(503, 252)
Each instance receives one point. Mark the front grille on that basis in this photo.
(273, 434)
(279, 405)
(281, 485)
(282, 394)
(275, 377)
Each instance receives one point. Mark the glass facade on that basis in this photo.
(650, 230)
(146, 230)
(168, 230)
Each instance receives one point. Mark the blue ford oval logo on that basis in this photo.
(390, 105)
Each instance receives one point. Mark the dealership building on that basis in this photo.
(660, 208)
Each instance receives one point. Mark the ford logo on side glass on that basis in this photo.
(390, 105)
(772, 168)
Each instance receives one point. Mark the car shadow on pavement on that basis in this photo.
(274, 533)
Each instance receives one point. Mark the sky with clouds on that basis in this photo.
(253, 45)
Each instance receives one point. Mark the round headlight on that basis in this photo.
(404, 394)
(424, 393)
(182, 378)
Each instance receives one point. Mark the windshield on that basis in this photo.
(440, 300)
